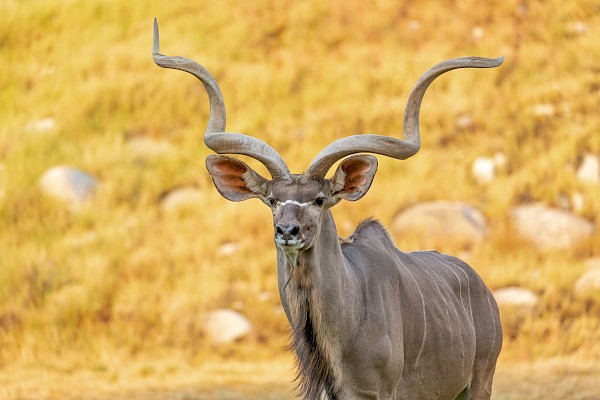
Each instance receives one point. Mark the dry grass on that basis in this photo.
(170, 378)
(121, 278)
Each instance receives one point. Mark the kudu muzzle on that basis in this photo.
(288, 231)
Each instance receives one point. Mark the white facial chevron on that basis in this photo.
(297, 203)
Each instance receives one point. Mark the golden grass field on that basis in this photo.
(106, 302)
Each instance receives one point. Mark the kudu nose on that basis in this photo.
(287, 231)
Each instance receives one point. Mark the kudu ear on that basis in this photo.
(235, 180)
(353, 177)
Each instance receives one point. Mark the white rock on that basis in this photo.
(478, 33)
(229, 248)
(452, 221)
(516, 304)
(543, 110)
(588, 284)
(464, 121)
(225, 326)
(181, 198)
(550, 228)
(514, 296)
(68, 185)
(44, 125)
(577, 28)
(264, 296)
(483, 169)
(589, 170)
(500, 159)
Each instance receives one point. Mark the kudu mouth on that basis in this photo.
(290, 245)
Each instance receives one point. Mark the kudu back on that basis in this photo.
(368, 321)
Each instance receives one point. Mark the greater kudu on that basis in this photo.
(368, 320)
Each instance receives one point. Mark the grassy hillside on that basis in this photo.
(121, 277)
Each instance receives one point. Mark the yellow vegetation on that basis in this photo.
(121, 278)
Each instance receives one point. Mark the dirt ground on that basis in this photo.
(542, 380)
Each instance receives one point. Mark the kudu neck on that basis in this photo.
(320, 268)
(325, 250)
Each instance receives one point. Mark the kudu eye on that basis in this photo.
(319, 201)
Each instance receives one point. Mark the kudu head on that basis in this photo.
(299, 202)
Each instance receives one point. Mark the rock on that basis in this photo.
(455, 221)
(550, 228)
(229, 248)
(483, 170)
(478, 33)
(514, 296)
(499, 159)
(145, 148)
(181, 198)
(44, 125)
(589, 170)
(264, 296)
(576, 28)
(516, 304)
(225, 326)
(543, 110)
(69, 185)
(588, 284)
(464, 121)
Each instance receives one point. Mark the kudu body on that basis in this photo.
(369, 321)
